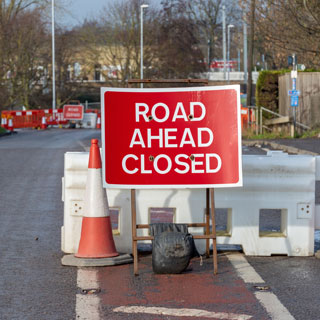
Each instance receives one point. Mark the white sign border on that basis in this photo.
(103, 90)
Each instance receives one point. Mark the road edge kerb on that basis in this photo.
(7, 134)
(274, 145)
(71, 260)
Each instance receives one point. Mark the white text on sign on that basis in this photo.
(168, 138)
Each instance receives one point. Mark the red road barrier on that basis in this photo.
(4, 122)
(23, 119)
(44, 123)
(34, 118)
(247, 116)
(10, 125)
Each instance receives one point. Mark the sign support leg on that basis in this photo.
(207, 222)
(134, 231)
(214, 245)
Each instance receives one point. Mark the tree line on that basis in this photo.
(181, 39)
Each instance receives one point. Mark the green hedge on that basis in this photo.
(267, 89)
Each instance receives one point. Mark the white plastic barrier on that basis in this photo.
(276, 181)
(89, 120)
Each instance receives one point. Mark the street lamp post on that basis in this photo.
(224, 41)
(228, 55)
(245, 51)
(141, 41)
(53, 64)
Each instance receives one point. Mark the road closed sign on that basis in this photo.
(171, 138)
(73, 112)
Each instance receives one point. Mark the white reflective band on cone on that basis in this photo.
(95, 201)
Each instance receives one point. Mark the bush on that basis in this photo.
(267, 89)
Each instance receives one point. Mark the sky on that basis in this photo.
(79, 10)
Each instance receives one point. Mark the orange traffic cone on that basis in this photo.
(10, 125)
(44, 123)
(96, 239)
(99, 122)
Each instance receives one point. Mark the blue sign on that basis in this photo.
(294, 101)
(294, 93)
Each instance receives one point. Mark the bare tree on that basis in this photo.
(114, 43)
(287, 27)
(22, 42)
(176, 46)
(250, 51)
(207, 17)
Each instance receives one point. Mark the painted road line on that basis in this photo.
(87, 305)
(244, 269)
(85, 148)
(274, 307)
(196, 313)
(268, 300)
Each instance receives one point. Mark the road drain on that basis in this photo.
(262, 288)
(90, 291)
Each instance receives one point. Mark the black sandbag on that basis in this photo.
(156, 228)
(172, 252)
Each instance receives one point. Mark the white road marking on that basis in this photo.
(274, 307)
(196, 313)
(85, 148)
(244, 269)
(269, 300)
(87, 305)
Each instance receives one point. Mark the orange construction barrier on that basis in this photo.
(4, 122)
(34, 118)
(244, 117)
(44, 123)
(10, 125)
(96, 239)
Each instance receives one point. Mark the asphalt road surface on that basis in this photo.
(34, 285)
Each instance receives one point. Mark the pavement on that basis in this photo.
(310, 146)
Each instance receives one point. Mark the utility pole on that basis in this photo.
(250, 52)
(294, 93)
(141, 41)
(224, 42)
(209, 45)
(245, 50)
(53, 62)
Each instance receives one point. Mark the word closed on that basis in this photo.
(188, 137)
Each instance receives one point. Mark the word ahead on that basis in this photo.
(171, 138)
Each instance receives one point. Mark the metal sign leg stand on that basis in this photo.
(214, 235)
(134, 232)
(207, 222)
(210, 208)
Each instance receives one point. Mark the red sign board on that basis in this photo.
(219, 64)
(171, 138)
(73, 112)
